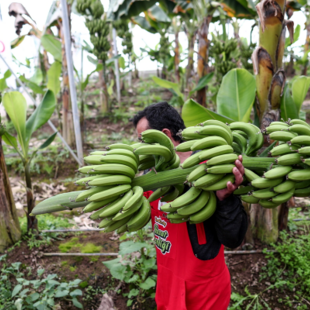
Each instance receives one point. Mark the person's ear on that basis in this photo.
(167, 132)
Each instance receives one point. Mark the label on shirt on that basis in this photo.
(161, 235)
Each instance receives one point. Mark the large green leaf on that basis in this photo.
(3, 84)
(53, 75)
(85, 82)
(41, 114)
(204, 81)
(193, 113)
(16, 107)
(300, 87)
(52, 45)
(10, 140)
(239, 9)
(157, 14)
(144, 24)
(236, 95)
(288, 106)
(168, 84)
(17, 41)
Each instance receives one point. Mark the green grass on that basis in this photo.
(67, 246)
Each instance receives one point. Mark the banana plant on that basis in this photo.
(15, 106)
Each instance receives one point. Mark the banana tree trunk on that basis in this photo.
(190, 60)
(9, 225)
(177, 56)
(32, 222)
(203, 57)
(104, 99)
(67, 117)
(307, 45)
(270, 81)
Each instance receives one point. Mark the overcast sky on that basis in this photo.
(38, 10)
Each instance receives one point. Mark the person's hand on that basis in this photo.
(238, 171)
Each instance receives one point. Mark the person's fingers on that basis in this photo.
(240, 158)
(238, 176)
(240, 167)
(230, 187)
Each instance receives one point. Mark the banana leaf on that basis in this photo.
(236, 95)
(300, 87)
(288, 106)
(53, 77)
(193, 113)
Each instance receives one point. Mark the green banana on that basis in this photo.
(277, 172)
(137, 196)
(110, 180)
(115, 169)
(191, 133)
(218, 123)
(95, 215)
(302, 184)
(222, 159)
(221, 169)
(278, 123)
(178, 221)
(215, 130)
(134, 208)
(111, 209)
(93, 190)
(185, 146)
(282, 136)
(274, 128)
(288, 159)
(197, 173)
(243, 190)
(283, 149)
(259, 139)
(299, 175)
(88, 170)
(145, 159)
(301, 140)
(109, 193)
(196, 205)
(208, 142)
(298, 122)
(93, 206)
(142, 216)
(117, 146)
(176, 216)
(120, 159)
(265, 183)
(220, 184)
(158, 193)
(250, 175)
(240, 140)
(105, 223)
(171, 195)
(124, 152)
(284, 187)
(216, 151)
(191, 161)
(122, 229)
(158, 150)
(180, 188)
(300, 129)
(185, 199)
(117, 224)
(284, 197)
(236, 148)
(249, 199)
(304, 150)
(242, 133)
(93, 159)
(156, 136)
(264, 193)
(306, 161)
(302, 192)
(146, 166)
(85, 180)
(251, 134)
(207, 180)
(267, 204)
(206, 212)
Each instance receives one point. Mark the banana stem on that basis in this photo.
(153, 180)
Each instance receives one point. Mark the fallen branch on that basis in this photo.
(71, 230)
(80, 254)
(250, 252)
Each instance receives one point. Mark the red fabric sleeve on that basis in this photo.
(201, 234)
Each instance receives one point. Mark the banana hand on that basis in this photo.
(238, 171)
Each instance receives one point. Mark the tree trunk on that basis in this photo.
(177, 56)
(9, 225)
(203, 57)
(190, 60)
(67, 117)
(104, 100)
(307, 46)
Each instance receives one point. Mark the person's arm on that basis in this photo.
(230, 217)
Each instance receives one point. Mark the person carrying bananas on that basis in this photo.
(192, 274)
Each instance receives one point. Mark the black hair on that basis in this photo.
(161, 115)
